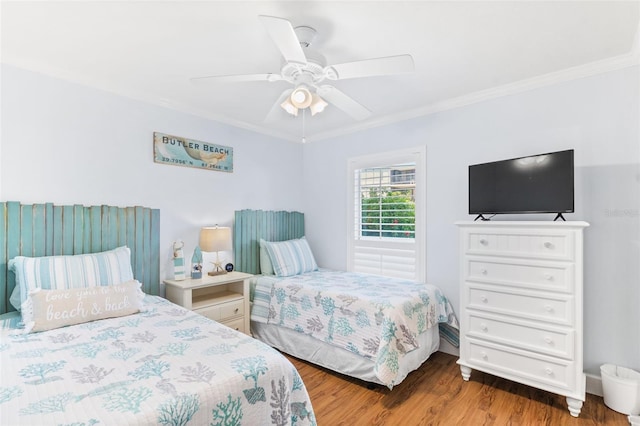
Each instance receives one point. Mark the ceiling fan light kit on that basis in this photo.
(288, 106)
(301, 97)
(317, 104)
(306, 69)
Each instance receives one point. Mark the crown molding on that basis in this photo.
(569, 74)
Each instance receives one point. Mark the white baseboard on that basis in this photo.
(594, 384)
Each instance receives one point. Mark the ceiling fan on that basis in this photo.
(308, 72)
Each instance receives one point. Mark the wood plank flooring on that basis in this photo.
(435, 394)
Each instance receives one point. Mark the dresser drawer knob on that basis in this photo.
(548, 371)
(484, 242)
(484, 356)
(484, 327)
(548, 245)
(548, 277)
(236, 311)
(548, 309)
(548, 340)
(484, 299)
(484, 271)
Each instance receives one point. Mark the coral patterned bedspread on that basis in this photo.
(166, 365)
(375, 317)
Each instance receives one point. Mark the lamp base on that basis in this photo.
(214, 273)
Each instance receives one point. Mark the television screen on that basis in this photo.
(537, 184)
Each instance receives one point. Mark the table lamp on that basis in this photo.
(216, 238)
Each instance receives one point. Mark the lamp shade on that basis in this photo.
(215, 238)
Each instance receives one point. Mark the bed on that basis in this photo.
(95, 344)
(369, 327)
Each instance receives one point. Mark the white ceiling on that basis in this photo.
(463, 51)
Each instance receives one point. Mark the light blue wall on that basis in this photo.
(596, 116)
(69, 144)
(66, 143)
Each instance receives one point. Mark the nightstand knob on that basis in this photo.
(484, 242)
(548, 371)
(484, 356)
(484, 299)
(548, 340)
(236, 311)
(548, 308)
(548, 277)
(484, 271)
(484, 327)
(548, 245)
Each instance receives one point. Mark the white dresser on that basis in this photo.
(521, 304)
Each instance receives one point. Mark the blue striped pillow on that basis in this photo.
(65, 272)
(291, 257)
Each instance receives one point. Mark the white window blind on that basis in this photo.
(387, 204)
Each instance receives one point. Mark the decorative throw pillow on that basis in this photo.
(49, 309)
(291, 257)
(266, 268)
(73, 271)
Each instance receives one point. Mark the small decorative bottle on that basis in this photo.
(179, 272)
(196, 264)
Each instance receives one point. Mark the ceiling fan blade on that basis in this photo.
(340, 100)
(373, 67)
(284, 36)
(276, 110)
(239, 78)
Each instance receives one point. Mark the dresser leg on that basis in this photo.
(466, 373)
(575, 405)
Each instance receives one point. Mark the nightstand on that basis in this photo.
(223, 298)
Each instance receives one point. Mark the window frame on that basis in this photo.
(415, 155)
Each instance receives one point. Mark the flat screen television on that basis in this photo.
(535, 184)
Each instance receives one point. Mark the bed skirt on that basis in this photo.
(338, 359)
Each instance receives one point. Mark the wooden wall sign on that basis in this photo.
(168, 149)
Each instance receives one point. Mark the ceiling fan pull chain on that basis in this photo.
(304, 113)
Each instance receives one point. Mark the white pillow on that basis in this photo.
(291, 257)
(64, 272)
(49, 309)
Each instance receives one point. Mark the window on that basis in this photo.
(386, 205)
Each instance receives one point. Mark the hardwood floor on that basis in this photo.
(435, 394)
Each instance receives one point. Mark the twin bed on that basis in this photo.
(95, 344)
(369, 327)
(146, 361)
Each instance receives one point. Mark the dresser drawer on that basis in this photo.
(550, 276)
(529, 336)
(519, 364)
(523, 304)
(521, 243)
(237, 324)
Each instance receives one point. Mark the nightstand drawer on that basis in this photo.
(231, 309)
(237, 324)
(530, 336)
(211, 312)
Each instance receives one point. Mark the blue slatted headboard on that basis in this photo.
(252, 225)
(48, 230)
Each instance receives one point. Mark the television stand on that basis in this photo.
(559, 216)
